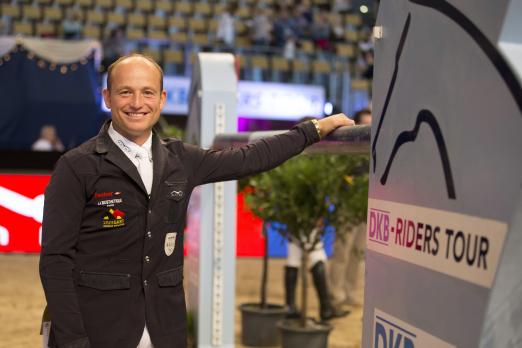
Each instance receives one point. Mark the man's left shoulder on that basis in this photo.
(172, 144)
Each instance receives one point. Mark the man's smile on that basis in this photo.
(136, 114)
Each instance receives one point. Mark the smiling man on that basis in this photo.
(115, 210)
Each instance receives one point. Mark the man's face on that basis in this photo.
(135, 98)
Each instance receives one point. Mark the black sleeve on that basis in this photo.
(210, 165)
(63, 209)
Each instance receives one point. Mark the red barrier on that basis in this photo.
(21, 203)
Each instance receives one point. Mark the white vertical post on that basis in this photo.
(212, 227)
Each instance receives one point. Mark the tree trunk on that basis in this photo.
(304, 284)
(265, 267)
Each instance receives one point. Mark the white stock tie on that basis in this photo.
(145, 168)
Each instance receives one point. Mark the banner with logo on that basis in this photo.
(445, 177)
(21, 209)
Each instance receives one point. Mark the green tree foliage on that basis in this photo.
(308, 188)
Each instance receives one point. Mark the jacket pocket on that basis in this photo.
(104, 281)
(176, 192)
(171, 277)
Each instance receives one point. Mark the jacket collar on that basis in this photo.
(162, 160)
(113, 154)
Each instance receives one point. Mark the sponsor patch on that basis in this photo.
(390, 332)
(462, 246)
(110, 202)
(113, 218)
(103, 194)
(99, 195)
(170, 243)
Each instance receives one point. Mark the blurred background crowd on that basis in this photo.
(326, 43)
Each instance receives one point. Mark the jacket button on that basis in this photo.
(147, 259)
(149, 234)
(145, 283)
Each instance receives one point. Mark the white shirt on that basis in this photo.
(141, 157)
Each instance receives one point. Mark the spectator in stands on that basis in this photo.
(261, 28)
(290, 47)
(364, 64)
(368, 58)
(305, 10)
(302, 20)
(283, 26)
(321, 30)
(72, 25)
(226, 32)
(48, 140)
(113, 47)
(366, 42)
(337, 28)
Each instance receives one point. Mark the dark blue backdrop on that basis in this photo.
(31, 97)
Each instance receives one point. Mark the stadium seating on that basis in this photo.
(172, 31)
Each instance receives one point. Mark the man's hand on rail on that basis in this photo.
(328, 124)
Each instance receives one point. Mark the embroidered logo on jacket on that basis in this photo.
(106, 194)
(113, 218)
(110, 202)
(177, 194)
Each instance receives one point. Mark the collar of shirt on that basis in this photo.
(130, 148)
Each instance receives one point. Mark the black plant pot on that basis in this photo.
(259, 325)
(314, 335)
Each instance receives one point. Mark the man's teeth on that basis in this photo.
(136, 114)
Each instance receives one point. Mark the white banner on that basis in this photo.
(462, 246)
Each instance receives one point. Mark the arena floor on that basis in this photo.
(22, 301)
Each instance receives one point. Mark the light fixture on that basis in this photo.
(328, 108)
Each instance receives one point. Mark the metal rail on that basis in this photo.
(354, 140)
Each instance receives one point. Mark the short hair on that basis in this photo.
(359, 114)
(132, 55)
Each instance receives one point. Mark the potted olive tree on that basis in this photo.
(298, 194)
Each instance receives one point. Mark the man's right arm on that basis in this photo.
(63, 208)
